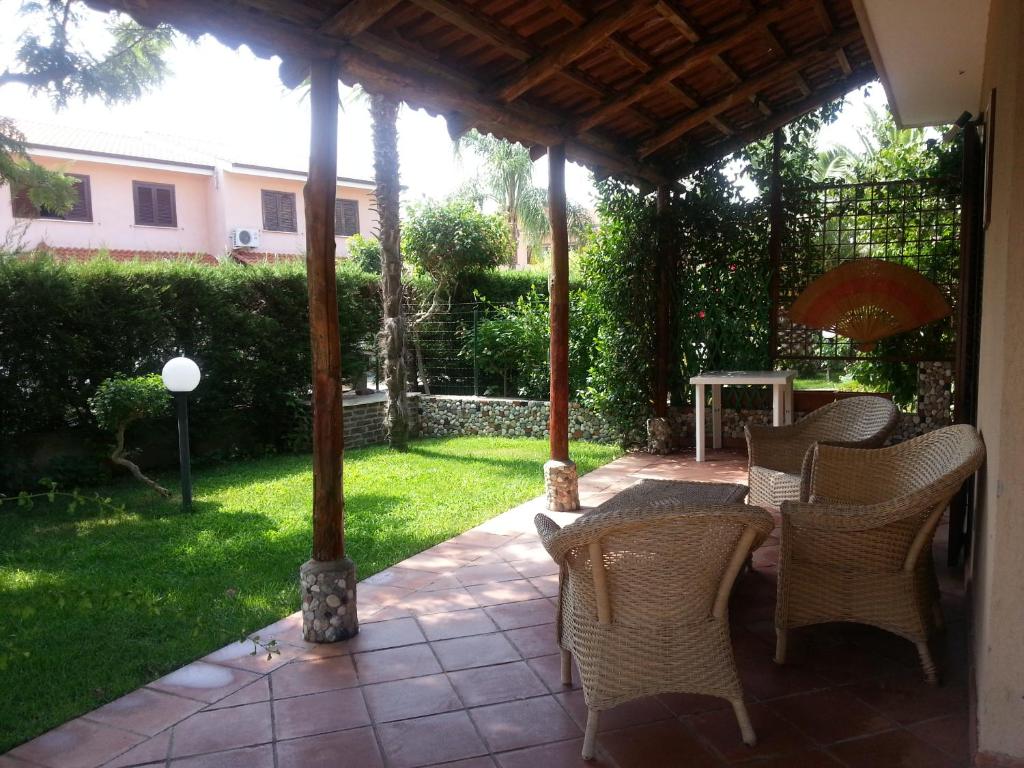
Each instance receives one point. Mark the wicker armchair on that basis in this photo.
(860, 549)
(643, 601)
(777, 454)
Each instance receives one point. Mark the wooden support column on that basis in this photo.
(328, 579)
(776, 222)
(560, 477)
(659, 430)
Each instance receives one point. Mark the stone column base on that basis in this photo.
(328, 592)
(659, 435)
(561, 484)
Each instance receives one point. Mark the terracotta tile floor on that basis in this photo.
(457, 665)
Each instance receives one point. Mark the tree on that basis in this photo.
(58, 63)
(384, 112)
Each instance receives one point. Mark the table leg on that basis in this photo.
(698, 420)
(778, 405)
(716, 416)
(789, 416)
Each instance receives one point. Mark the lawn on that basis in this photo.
(96, 603)
(837, 384)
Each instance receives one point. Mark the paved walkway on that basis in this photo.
(457, 665)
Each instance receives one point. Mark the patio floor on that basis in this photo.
(456, 664)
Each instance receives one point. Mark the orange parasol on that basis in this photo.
(867, 300)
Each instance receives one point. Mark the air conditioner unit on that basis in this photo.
(243, 237)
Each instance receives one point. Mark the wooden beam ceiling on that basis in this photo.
(357, 16)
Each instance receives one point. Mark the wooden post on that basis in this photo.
(324, 334)
(328, 580)
(776, 222)
(663, 317)
(559, 473)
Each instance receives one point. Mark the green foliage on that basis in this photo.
(54, 59)
(448, 241)
(364, 253)
(65, 327)
(121, 400)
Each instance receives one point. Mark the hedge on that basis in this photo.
(65, 327)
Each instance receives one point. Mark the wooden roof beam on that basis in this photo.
(779, 119)
(697, 55)
(679, 20)
(356, 17)
(572, 46)
(844, 62)
(823, 49)
(824, 17)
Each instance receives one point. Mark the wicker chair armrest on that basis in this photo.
(547, 529)
(838, 518)
(778, 448)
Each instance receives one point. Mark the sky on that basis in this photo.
(235, 98)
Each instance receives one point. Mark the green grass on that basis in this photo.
(94, 604)
(837, 384)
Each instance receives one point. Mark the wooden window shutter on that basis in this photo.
(346, 217)
(279, 211)
(23, 207)
(154, 204)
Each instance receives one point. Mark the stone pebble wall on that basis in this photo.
(451, 415)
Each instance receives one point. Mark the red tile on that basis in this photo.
(525, 723)
(222, 729)
(247, 655)
(775, 737)
(763, 679)
(949, 734)
(814, 758)
(474, 651)
(252, 693)
(909, 699)
(667, 745)
(430, 740)
(373, 594)
(406, 578)
(897, 748)
(504, 592)
(525, 614)
(396, 664)
(830, 716)
(145, 711)
(491, 685)
(151, 751)
(319, 713)
(76, 744)
(470, 575)
(531, 569)
(316, 676)
(539, 640)
(692, 703)
(414, 697)
(249, 757)
(647, 709)
(441, 601)
(356, 748)
(561, 754)
(472, 762)
(386, 634)
(431, 562)
(203, 681)
(478, 538)
(845, 662)
(442, 626)
(546, 585)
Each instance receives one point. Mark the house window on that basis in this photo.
(279, 211)
(154, 204)
(346, 218)
(80, 211)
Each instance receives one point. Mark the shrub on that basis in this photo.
(451, 240)
(364, 252)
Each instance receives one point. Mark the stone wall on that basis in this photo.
(504, 417)
(364, 419)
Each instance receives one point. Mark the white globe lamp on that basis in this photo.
(181, 375)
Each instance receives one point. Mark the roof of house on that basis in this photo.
(153, 147)
(645, 89)
(118, 254)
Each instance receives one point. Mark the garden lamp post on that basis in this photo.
(181, 376)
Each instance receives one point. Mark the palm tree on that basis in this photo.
(384, 113)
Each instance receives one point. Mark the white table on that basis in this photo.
(781, 383)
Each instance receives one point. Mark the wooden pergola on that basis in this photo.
(644, 90)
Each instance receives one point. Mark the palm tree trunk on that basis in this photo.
(384, 111)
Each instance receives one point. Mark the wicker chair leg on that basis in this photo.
(743, 718)
(931, 675)
(590, 735)
(781, 641)
(566, 668)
